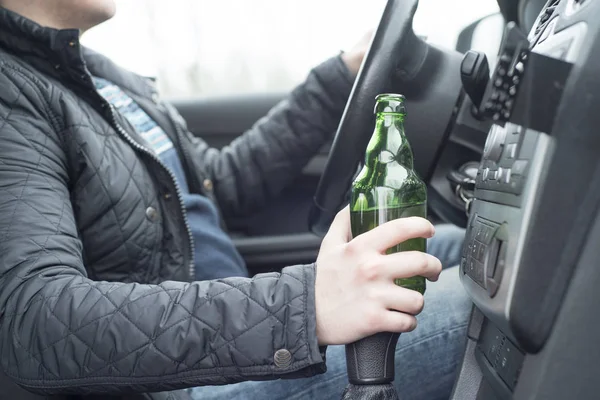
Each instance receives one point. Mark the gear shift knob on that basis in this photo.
(370, 361)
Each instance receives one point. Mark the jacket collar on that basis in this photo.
(58, 52)
(25, 37)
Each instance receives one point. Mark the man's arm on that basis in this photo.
(61, 332)
(260, 163)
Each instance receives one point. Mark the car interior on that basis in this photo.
(508, 143)
(508, 146)
(510, 153)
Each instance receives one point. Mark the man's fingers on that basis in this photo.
(394, 232)
(407, 264)
(404, 300)
(393, 321)
(339, 231)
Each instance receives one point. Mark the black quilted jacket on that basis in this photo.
(94, 248)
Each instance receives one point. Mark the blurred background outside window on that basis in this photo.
(200, 48)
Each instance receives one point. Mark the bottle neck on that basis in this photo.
(389, 145)
(388, 152)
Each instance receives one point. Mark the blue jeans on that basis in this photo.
(426, 359)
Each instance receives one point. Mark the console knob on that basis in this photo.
(475, 74)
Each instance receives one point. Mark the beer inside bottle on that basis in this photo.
(387, 187)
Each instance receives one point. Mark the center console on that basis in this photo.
(532, 228)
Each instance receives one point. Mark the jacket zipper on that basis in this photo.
(189, 164)
(186, 155)
(139, 147)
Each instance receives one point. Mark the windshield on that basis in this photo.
(207, 47)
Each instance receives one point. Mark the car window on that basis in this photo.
(207, 47)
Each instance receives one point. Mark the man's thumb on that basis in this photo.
(339, 231)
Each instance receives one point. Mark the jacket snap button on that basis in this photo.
(208, 185)
(155, 97)
(283, 358)
(152, 214)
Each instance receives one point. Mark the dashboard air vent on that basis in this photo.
(545, 16)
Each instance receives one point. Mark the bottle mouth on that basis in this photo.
(389, 103)
(390, 96)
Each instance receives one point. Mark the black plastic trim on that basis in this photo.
(264, 253)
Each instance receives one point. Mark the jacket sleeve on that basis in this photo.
(61, 332)
(261, 162)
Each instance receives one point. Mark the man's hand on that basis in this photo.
(355, 291)
(353, 58)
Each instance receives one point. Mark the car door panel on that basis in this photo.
(219, 120)
(270, 253)
(277, 235)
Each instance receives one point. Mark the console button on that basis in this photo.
(516, 184)
(474, 269)
(528, 145)
(480, 256)
(475, 249)
(486, 174)
(470, 266)
(494, 143)
(489, 234)
(488, 228)
(495, 268)
(510, 361)
(478, 272)
(519, 167)
(491, 342)
(511, 151)
(507, 175)
(478, 230)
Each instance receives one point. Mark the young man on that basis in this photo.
(108, 205)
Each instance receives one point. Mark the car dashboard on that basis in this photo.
(532, 224)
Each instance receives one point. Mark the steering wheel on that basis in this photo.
(397, 61)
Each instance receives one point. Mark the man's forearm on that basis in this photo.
(79, 336)
(260, 163)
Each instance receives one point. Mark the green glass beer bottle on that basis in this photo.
(387, 187)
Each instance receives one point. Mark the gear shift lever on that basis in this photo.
(370, 363)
